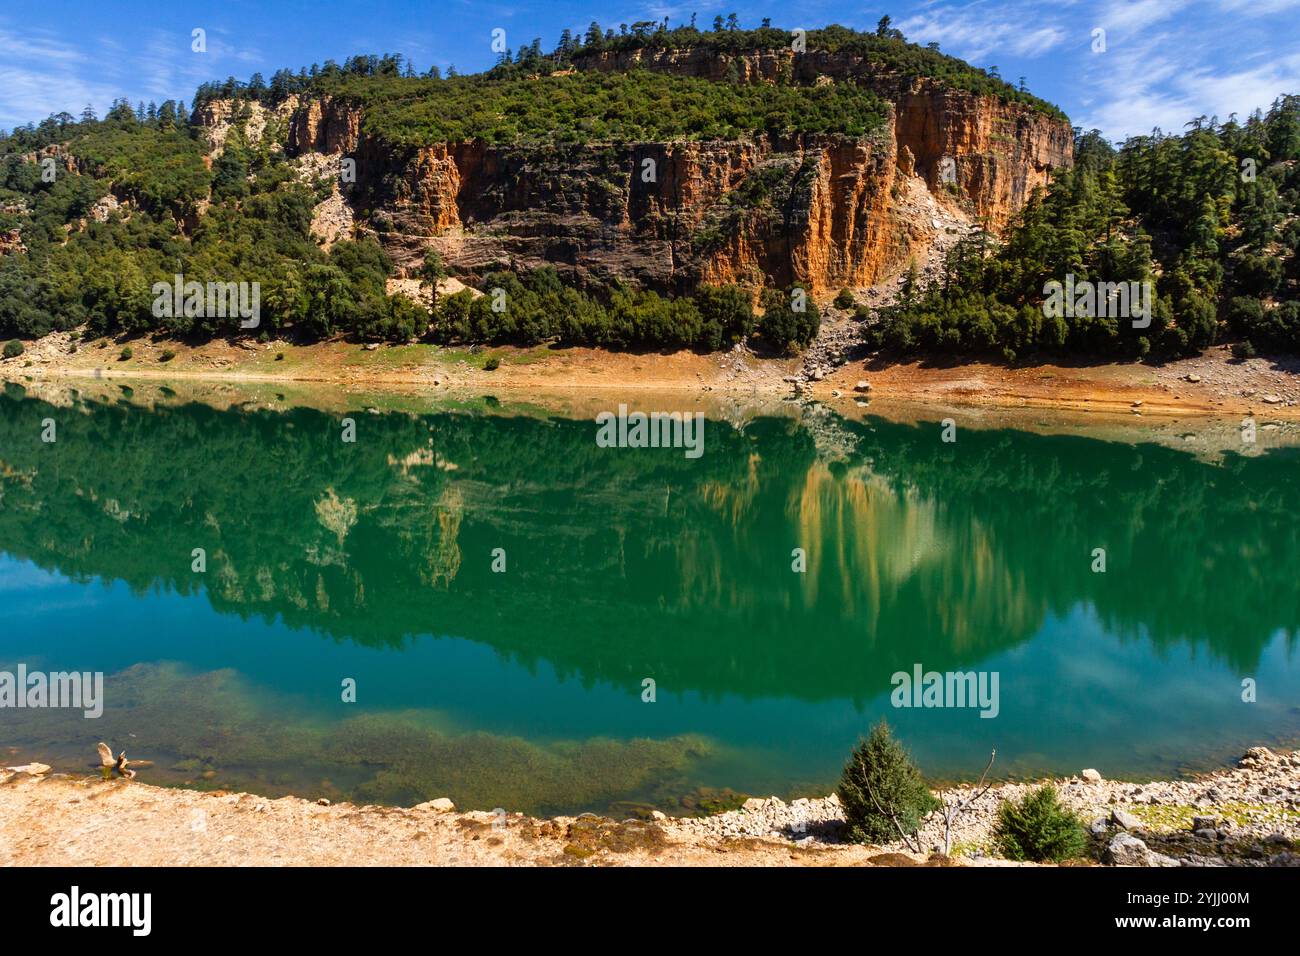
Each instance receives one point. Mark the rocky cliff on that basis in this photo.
(1000, 151)
(823, 210)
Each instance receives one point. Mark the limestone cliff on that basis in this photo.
(760, 211)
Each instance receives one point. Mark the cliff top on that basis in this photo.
(534, 94)
(636, 106)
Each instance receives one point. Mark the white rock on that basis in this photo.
(1091, 776)
(1122, 818)
(441, 805)
(1125, 849)
(35, 769)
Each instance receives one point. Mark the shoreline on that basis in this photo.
(1212, 385)
(1247, 815)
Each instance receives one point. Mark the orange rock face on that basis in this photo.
(821, 210)
(324, 126)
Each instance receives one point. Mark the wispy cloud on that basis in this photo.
(980, 30)
(42, 73)
(1159, 70)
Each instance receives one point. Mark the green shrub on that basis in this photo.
(790, 322)
(492, 364)
(844, 300)
(13, 349)
(1039, 828)
(167, 355)
(125, 354)
(1243, 349)
(880, 776)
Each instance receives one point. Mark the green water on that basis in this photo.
(373, 561)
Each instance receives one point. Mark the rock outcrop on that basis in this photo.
(218, 117)
(11, 242)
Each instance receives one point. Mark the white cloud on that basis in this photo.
(42, 74)
(1258, 8)
(978, 31)
(1167, 81)
(1127, 17)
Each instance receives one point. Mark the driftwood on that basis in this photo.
(952, 811)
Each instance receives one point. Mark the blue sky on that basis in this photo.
(1165, 62)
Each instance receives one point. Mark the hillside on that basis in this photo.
(648, 191)
(617, 204)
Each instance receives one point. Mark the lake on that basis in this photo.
(529, 618)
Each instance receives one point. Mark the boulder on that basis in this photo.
(441, 805)
(1124, 819)
(1091, 776)
(1256, 757)
(35, 769)
(1124, 849)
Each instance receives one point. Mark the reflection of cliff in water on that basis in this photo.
(628, 563)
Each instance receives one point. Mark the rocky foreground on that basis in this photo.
(1246, 816)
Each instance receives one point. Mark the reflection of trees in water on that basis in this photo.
(624, 563)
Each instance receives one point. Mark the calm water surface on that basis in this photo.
(373, 561)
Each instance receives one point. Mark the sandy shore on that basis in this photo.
(1246, 816)
(1213, 384)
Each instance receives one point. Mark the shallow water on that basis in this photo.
(373, 561)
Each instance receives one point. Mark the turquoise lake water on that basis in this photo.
(372, 561)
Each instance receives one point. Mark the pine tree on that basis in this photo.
(882, 791)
